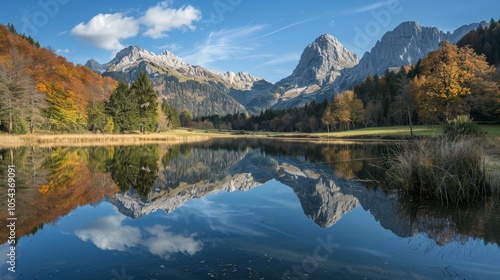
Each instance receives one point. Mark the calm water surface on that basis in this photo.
(231, 209)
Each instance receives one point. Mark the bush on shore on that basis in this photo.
(461, 126)
(450, 169)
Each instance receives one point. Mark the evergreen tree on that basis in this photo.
(147, 101)
(185, 118)
(123, 108)
(171, 114)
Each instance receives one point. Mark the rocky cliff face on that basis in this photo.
(319, 67)
(405, 45)
(202, 91)
(320, 64)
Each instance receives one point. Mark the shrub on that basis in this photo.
(450, 170)
(461, 126)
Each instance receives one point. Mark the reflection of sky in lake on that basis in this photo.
(260, 233)
(110, 233)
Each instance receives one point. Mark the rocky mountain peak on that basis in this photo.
(96, 66)
(172, 60)
(320, 63)
(404, 45)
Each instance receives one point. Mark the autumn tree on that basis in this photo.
(451, 75)
(19, 99)
(327, 118)
(346, 110)
(96, 110)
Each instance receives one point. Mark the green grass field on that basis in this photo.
(374, 132)
(420, 130)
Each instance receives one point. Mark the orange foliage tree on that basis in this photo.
(68, 88)
(450, 78)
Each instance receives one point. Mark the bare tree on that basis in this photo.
(19, 99)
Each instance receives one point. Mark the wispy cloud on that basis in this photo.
(282, 59)
(357, 10)
(293, 24)
(370, 7)
(171, 47)
(225, 44)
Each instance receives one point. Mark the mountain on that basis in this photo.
(320, 65)
(406, 44)
(202, 91)
(325, 68)
(96, 66)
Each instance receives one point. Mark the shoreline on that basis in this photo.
(176, 137)
(179, 136)
(85, 140)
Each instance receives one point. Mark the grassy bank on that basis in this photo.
(390, 132)
(190, 135)
(174, 137)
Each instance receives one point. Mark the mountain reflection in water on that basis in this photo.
(328, 180)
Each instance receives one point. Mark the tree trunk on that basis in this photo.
(10, 123)
(411, 123)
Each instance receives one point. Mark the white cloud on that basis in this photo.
(224, 45)
(161, 19)
(107, 30)
(65, 51)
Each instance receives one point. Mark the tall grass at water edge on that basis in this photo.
(449, 169)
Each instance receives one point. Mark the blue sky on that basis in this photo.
(261, 37)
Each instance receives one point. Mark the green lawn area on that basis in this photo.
(492, 130)
(370, 132)
(420, 130)
(394, 131)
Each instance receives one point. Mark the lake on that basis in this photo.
(233, 209)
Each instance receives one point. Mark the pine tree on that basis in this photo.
(123, 108)
(147, 100)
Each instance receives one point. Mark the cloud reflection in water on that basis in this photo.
(110, 233)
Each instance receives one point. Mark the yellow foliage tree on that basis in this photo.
(449, 77)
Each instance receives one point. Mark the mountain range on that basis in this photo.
(325, 68)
